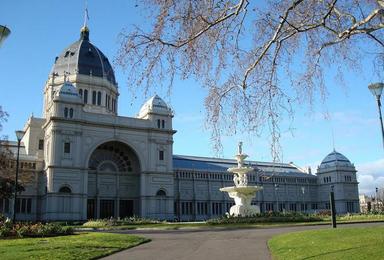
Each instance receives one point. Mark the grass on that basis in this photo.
(340, 243)
(203, 225)
(79, 246)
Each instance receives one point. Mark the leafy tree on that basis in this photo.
(7, 165)
(257, 59)
(7, 172)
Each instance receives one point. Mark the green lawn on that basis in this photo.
(340, 243)
(80, 246)
(203, 225)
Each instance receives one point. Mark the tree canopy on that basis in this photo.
(257, 59)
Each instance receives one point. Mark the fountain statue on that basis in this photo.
(241, 192)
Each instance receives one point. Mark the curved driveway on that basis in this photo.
(210, 244)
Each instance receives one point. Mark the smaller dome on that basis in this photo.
(68, 92)
(335, 159)
(155, 105)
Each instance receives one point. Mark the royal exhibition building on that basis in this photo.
(86, 161)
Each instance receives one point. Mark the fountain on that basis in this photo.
(241, 192)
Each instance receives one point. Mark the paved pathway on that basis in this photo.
(239, 244)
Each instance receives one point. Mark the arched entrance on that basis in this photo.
(113, 181)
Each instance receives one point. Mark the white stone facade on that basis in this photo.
(86, 161)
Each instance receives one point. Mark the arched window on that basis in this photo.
(65, 112)
(162, 123)
(158, 123)
(65, 189)
(85, 96)
(99, 98)
(71, 112)
(93, 97)
(80, 92)
(161, 193)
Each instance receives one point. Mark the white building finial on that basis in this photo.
(240, 147)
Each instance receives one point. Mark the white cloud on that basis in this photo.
(370, 175)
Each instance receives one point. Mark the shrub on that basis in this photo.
(20, 230)
(100, 223)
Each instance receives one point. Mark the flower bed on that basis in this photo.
(27, 229)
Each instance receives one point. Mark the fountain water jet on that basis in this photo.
(241, 192)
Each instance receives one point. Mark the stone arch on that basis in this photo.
(161, 193)
(113, 181)
(66, 189)
(134, 149)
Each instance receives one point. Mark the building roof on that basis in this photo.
(82, 57)
(221, 165)
(12, 146)
(335, 159)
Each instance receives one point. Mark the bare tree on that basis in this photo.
(3, 117)
(257, 59)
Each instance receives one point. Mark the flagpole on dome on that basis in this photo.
(84, 32)
(86, 16)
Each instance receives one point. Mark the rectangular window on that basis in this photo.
(41, 144)
(67, 147)
(99, 98)
(23, 205)
(161, 155)
(85, 96)
(6, 206)
(29, 205)
(269, 206)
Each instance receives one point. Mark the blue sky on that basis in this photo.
(42, 29)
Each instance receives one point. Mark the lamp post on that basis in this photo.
(377, 89)
(377, 199)
(4, 32)
(303, 204)
(333, 208)
(277, 196)
(19, 136)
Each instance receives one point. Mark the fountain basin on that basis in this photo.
(243, 196)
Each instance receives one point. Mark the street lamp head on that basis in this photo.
(376, 89)
(19, 135)
(4, 33)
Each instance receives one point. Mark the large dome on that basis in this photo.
(335, 159)
(82, 57)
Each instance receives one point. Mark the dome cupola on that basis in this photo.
(88, 69)
(68, 93)
(82, 57)
(155, 105)
(335, 159)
